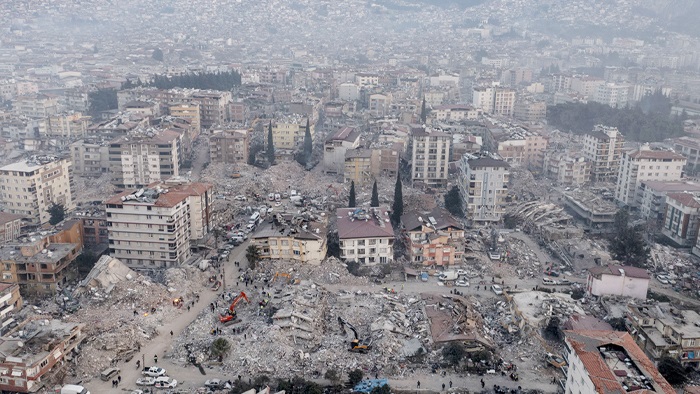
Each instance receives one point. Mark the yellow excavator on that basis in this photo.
(357, 345)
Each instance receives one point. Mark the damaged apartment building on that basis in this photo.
(296, 237)
(42, 264)
(366, 235)
(433, 238)
(33, 349)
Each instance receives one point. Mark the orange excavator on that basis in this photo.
(231, 316)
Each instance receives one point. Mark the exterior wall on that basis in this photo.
(604, 153)
(31, 189)
(11, 230)
(190, 112)
(10, 304)
(89, 159)
(368, 250)
(483, 190)
(439, 251)
(618, 285)
(144, 238)
(65, 126)
(681, 222)
(577, 380)
(361, 168)
(289, 248)
(334, 154)
(289, 135)
(635, 170)
(229, 147)
(431, 154)
(137, 163)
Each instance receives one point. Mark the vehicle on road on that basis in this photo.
(146, 381)
(448, 276)
(662, 278)
(216, 384)
(497, 289)
(137, 392)
(564, 281)
(109, 373)
(462, 283)
(548, 281)
(153, 371)
(424, 276)
(74, 389)
(165, 382)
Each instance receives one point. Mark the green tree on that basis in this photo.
(308, 144)
(423, 112)
(627, 245)
(218, 233)
(355, 377)
(57, 212)
(351, 198)
(384, 389)
(219, 348)
(375, 195)
(453, 352)
(252, 254)
(397, 207)
(102, 100)
(618, 323)
(672, 370)
(332, 376)
(270, 145)
(453, 202)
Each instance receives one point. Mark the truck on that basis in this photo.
(448, 276)
(153, 371)
(74, 389)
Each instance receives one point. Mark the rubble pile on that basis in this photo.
(122, 309)
(331, 271)
(93, 189)
(296, 331)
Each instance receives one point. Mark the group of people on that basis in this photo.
(115, 382)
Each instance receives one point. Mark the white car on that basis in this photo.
(137, 392)
(662, 279)
(240, 198)
(462, 283)
(165, 382)
(146, 381)
(497, 289)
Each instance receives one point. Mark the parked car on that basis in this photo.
(564, 281)
(548, 281)
(146, 381)
(662, 279)
(497, 289)
(216, 384)
(462, 283)
(165, 382)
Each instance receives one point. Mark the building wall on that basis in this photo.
(368, 250)
(289, 248)
(229, 147)
(430, 158)
(577, 380)
(634, 171)
(618, 285)
(604, 153)
(89, 159)
(483, 191)
(32, 191)
(140, 162)
(362, 169)
(190, 112)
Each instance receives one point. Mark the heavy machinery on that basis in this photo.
(231, 315)
(356, 345)
(282, 274)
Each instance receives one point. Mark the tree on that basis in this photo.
(672, 370)
(217, 232)
(453, 202)
(618, 323)
(375, 195)
(270, 145)
(157, 54)
(383, 389)
(453, 353)
(332, 376)
(397, 207)
(308, 144)
(351, 198)
(57, 212)
(577, 293)
(219, 348)
(102, 100)
(355, 377)
(627, 245)
(252, 254)
(423, 112)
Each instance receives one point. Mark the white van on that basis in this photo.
(74, 389)
(548, 281)
(254, 217)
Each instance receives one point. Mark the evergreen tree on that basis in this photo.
(270, 145)
(375, 195)
(308, 144)
(453, 202)
(57, 212)
(351, 198)
(627, 245)
(397, 207)
(423, 112)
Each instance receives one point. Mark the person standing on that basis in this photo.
(418, 384)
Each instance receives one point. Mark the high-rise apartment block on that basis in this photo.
(431, 154)
(603, 147)
(644, 165)
(30, 187)
(483, 186)
(139, 160)
(229, 146)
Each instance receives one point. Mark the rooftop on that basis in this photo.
(361, 223)
(438, 219)
(615, 364)
(619, 270)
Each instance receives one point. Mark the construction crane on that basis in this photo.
(356, 345)
(231, 316)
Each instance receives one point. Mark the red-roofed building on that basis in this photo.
(365, 236)
(619, 280)
(610, 362)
